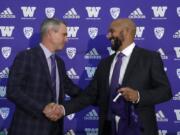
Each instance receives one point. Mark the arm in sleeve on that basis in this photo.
(161, 90)
(16, 86)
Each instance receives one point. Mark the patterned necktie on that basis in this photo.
(53, 74)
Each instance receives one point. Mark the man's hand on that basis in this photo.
(129, 94)
(53, 111)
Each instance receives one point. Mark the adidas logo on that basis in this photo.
(72, 74)
(7, 13)
(177, 34)
(137, 14)
(163, 56)
(4, 73)
(160, 117)
(177, 96)
(71, 14)
(2, 92)
(93, 54)
(92, 115)
(91, 131)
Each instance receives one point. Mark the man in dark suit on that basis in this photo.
(38, 82)
(137, 74)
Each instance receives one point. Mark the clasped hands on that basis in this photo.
(53, 111)
(129, 94)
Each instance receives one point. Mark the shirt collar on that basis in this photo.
(46, 51)
(128, 50)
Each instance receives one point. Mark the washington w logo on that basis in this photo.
(162, 132)
(177, 113)
(159, 12)
(177, 51)
(6, 32)
(72, 32)
(93, 13)
(91, 131)
(139, 33)
(7, 13)
(28, 12)
(90, 72)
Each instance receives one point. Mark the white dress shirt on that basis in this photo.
(48, 54)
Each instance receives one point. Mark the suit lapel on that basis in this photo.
(131, 65)
(44, 64)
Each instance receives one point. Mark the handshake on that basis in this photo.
(54, 111)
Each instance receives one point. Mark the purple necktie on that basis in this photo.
(53, 74)
(128, 124)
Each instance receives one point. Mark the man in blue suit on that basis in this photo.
(38, 82)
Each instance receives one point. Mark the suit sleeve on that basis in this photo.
(87, 97)
(16, 86)
(70, 88)
(161, 90)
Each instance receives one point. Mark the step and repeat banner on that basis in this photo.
(158, 28)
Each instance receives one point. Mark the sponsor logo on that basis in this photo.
(7, 13)
(93, 54)
(137, 14)
(72, 74)
(71, 14)
(71, 52)
(114, 11)
(6, 51)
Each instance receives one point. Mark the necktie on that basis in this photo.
(115, 76)
(53, 74)
(128, 124)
